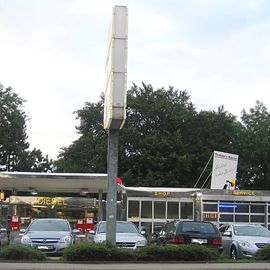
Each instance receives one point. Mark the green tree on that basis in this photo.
(255, 154)
(14, 152)
(164, 141)
(153, 148)
(88, 153)
(34, 161)
(12, 128)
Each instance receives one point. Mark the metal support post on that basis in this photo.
(100, 206)
(112, 165)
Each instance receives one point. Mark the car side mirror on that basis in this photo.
(155, 235)
(3, 230)
(92, 232)
(76, 231)
(228, 234)
(22, 230)
(143, 232)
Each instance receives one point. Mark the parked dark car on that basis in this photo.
(189, 232)
(50, 235)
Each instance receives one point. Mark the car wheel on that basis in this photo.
(233, 253)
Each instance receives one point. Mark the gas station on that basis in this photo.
(79, 198)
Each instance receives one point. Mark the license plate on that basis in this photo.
(45, 247)
(198, 241)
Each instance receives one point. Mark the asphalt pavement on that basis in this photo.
(134, 266)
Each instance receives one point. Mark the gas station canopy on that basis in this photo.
(54, 182)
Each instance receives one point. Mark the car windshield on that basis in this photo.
(121, 227)
(49, 225)
(251, 231)
(198, 227)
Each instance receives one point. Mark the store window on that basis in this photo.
(210, 207)
(173, 210)
(241, 218)
(159, 209)
(257, 208)
(257, 218)
(186, 210)
(133, 209)
(146, 209)
(242, 208)
(226, 218)
(227, 207)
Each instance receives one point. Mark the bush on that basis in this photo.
(263, 253)
(21, 253)
(97, 252)
(177, 253)
(102, 252)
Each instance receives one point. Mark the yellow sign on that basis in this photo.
(243, 193)
(162, 193)
(50, 201)
(212, 215)
(2, 195)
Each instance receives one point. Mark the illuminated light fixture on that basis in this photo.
(33, 191)
(228, 206)
(84, 191)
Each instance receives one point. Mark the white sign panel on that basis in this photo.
(116, 71)
(224, 170)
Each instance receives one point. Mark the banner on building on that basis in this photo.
(224, 170)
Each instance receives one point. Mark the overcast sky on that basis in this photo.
(53, 53)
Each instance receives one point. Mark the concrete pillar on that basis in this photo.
(100, 206)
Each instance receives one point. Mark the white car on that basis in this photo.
(243, 239)
(127, 235)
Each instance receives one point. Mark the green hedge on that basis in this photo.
(177, 253)
(21, 253)
(102, 252)
(263, 253)
(97, 252)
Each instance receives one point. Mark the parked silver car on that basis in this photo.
(127, 235)
(243, 240)
(50, 235)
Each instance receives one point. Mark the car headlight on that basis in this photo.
(141, 243)
(244, 244)
(65, 239)
(26, 239)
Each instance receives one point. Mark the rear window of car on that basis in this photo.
(121, 227)
(197, 227)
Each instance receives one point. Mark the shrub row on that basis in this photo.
(263, 253)
(21, 253)
(102, 252)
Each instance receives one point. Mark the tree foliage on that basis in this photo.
(164, 142)
(88, 153)
(255, 153)
(14, 148)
